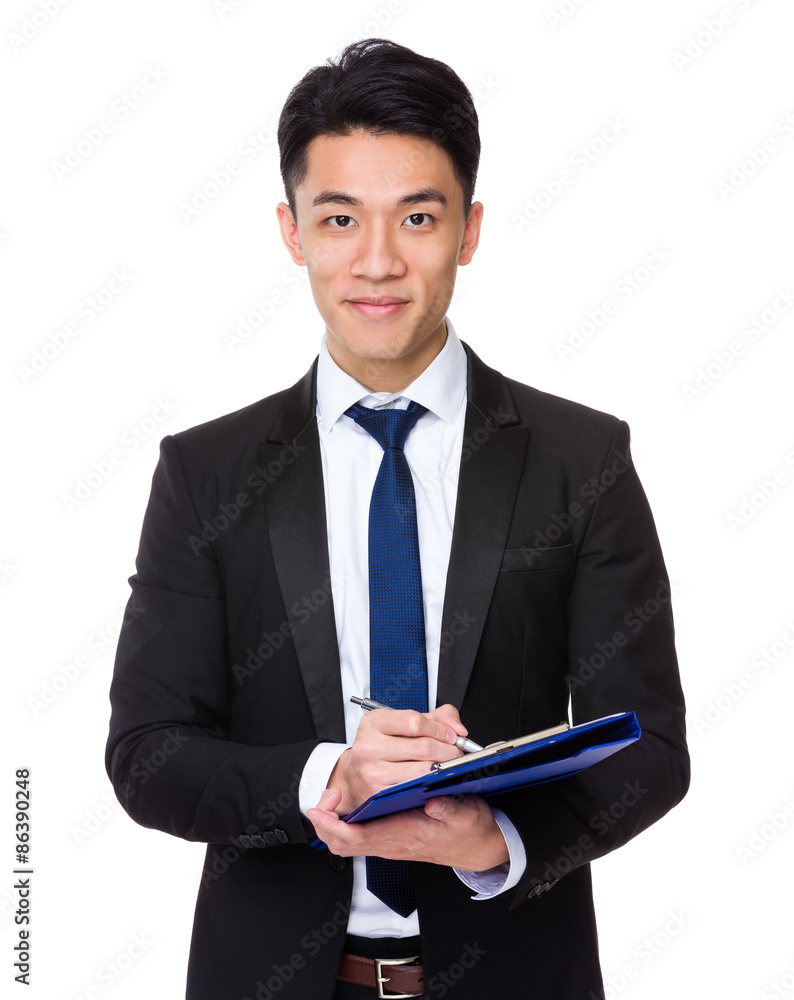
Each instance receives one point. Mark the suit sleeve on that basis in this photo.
(620, 657)
(169, 755)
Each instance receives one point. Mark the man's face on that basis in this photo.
(381, 229)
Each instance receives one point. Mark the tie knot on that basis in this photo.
(389, 427)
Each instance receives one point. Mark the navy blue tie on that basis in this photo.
(398, 656)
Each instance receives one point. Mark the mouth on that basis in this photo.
(378, 306)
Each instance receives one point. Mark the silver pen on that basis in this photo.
(368, 705)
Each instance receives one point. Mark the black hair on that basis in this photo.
(384, 88)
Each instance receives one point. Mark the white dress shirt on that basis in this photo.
(351, 458)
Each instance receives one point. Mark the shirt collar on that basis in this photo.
(440, 387)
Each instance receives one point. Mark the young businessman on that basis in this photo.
(404, 523)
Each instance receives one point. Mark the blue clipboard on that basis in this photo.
(529, 760)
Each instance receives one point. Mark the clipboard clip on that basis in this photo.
(494, 749)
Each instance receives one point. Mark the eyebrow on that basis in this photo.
(415, 197)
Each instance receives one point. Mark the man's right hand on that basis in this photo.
(392, 746)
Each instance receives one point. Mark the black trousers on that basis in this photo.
(350, 991)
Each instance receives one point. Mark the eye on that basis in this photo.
(341, 221)
(418, 219)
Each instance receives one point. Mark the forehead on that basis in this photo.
(370, 166)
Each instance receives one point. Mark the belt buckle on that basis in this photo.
(381, 979)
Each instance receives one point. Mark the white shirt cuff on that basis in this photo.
(316, 773)
(494, 881)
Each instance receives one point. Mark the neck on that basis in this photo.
(389, 374)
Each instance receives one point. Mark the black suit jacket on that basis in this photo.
(227, 677)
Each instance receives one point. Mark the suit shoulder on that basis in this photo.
(254, 419)
(219, 454)
(549, 418)
(237, 432)
(569, 433)
(539, 407)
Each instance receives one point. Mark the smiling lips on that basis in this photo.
(378, 306)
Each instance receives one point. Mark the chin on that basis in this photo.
(382, 354)
(376, 345)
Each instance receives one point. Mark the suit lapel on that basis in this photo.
(294, 500)
(492, 460)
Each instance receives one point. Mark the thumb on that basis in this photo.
(330, 799)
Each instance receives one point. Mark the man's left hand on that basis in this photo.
(456, 831)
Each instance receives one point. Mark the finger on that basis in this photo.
(394, 758)
(453, 810)
(323, 818)
(441, 808)
(381, 774)
(330, 799)
(388, 837)
(410, 724)
(323, 813)
(339, 837)
(448, 715)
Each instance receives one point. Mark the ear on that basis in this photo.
(289, 232)
(471, 233)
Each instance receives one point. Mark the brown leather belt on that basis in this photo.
(391, 977)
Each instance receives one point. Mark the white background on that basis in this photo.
(695, 906)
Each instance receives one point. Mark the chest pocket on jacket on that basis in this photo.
(520, 560)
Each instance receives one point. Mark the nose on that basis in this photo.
(378, 257)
